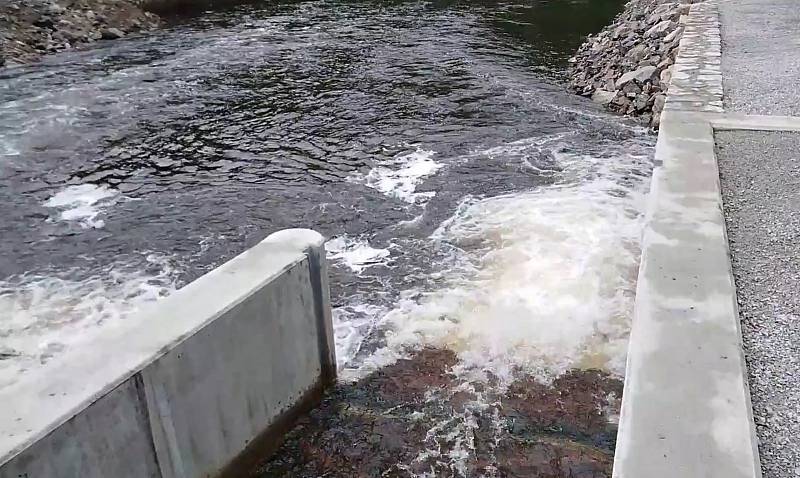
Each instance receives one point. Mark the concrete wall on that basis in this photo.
(686, 405)
(203, 384)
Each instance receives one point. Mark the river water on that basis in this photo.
(472, 204)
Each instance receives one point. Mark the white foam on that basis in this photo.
(400, 177)
(449, 444)
(356, 254)
(46, 314)
(352, 325)
(546, 279)
(83, 203)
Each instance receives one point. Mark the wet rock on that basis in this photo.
(44, 22)
(622, 101)
(631, 89)
(641, 101)
(416, 416)
(603, 97)
(111, 34)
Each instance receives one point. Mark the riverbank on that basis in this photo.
(31, 28)
(627, 67)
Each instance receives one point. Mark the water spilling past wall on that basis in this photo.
(202, 384)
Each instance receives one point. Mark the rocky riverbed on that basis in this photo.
(415, 418)
(30, 28)
(628, 65)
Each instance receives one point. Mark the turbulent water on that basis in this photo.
(471, 203)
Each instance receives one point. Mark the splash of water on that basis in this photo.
(400, 177)
(83, 204)
(44, 314)
(543, 282)
(356, 254)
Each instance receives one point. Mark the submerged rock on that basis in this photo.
(111, 33)
(417, 417)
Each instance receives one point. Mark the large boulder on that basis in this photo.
(658, 103)
(666, 77)
(111, 33)
(640, 75)
(638, 53)
(603, 97)
(674, 34)
(660, 29)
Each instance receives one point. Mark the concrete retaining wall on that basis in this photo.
(203, 384)
(686, 405)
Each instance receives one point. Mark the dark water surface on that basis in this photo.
(474, 206)
(239, 123)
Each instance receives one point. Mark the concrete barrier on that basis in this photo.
(203, 384)
(686, 405)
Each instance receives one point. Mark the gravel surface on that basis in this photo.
(760, 174)
(760, 63)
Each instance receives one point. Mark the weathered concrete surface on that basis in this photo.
(215, 370)
(734, 122)
(761, 65)
(759, 172)
(686, 407)
(696, 76)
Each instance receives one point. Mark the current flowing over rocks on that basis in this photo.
(627, 67)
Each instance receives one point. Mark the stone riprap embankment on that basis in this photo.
(627, 67)
(30, 28)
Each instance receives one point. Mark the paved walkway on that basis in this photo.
(760, 177)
